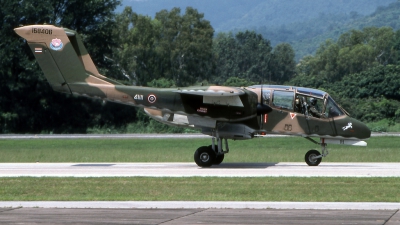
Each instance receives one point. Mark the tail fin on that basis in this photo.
(63, 58)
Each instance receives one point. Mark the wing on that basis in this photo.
(217, 95)
(213, 91)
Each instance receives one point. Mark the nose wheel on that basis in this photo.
(313, 158)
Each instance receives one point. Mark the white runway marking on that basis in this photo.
(192, 170)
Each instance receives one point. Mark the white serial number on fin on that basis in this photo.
(138, 97)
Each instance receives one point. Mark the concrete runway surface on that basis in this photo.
(196, 216)
(191, 169)
(152, 212)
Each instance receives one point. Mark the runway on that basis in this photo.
(196, 216)
(192, 170)
(153, 212)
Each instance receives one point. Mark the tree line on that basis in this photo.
(176, 49)
(362, 69)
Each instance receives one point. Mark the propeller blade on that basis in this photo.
(263, 109)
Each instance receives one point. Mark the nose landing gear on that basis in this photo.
(314, 157)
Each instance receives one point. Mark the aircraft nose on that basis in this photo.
(352, 128)
(365, 132)
(361, 130)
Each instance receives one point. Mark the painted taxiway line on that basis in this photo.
(192, 170)
(203, 205)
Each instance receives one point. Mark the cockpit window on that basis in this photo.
(309, 106)
(283, 100)
(332, 110)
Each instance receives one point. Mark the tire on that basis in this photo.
(309, 158)
(204, 156)
(219, 158)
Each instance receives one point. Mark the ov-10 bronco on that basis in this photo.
(221, 112)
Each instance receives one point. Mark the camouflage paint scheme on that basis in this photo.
(222, 112)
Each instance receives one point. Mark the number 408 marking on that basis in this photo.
(138, 97)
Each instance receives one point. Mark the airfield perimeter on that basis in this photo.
(195, 212)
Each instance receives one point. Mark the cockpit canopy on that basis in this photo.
(311, 102)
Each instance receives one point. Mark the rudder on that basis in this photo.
(62, 57)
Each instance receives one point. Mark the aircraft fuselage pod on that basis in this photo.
(291, 112)
(221, 112)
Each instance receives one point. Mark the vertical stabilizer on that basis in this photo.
(63, 58)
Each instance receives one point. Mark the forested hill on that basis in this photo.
(305, 24)
(306, 36)
(227, 15)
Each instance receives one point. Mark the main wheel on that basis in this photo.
(311, 159)
(204, 156)
(219, 158)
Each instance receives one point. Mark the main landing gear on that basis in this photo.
(313, 157)
(206, 156)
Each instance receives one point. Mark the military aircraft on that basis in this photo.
(224, 113)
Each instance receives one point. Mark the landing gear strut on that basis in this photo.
(214, 154)
(313, 157)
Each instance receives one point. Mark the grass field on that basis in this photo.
(281, 149)
(201, 189)
(291, 149)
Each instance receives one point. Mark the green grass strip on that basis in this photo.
(281, 149)
(201, 189)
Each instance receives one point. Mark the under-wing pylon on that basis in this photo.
(221, 112)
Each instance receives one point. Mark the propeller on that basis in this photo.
(262, 109)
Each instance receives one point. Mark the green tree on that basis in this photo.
(171, 46)
(185, 44)
(238, 82)
(283, 66)
(354, 52)
(225, 48)
(136, 52)
(27, 103)
(246, 55)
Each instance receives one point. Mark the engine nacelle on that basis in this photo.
(231, 131)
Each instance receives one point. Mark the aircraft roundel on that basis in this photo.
(152, 98)
(56, 44)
